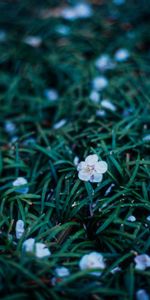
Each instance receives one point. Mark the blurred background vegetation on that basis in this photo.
(63, 59)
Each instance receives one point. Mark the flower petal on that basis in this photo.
(83, 262)
(19, 229)
(81, 165)
(41, 250)
(28, 245)
(142, 295)
(85, 176)
(62, 272)
(140, 266)
(96, 177)
(98, 258)
(91, 159)
(101, 167)
(142, 261)
(21, 182)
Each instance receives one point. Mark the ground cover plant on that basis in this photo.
(74, 82)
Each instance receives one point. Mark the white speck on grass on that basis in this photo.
(115, 270)
(99, 83)
(68, 13)
(79, 11)
(60, 124)
(131, 219)
(21, 184)
(10, 127)
(148, 218)
(104, 63)
(33, 41)
(94, 96)
(108, 105)
(109, 189)
(51, 94)
(62, 272)
(100, 113)
(19, 229)
(122, 55)
(83, 10)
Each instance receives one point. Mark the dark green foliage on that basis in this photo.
(97, 222)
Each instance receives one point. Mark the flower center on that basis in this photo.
(91, 263)
(90, 168)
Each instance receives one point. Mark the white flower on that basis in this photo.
(99, 83)
(91, 169)
(19, 229)
(10, 127)
(115, 270)
(94, 96)
(83, 10)
(104, 63)
(51, 94)
(100, 113)
(148, 218)
(121, 55)
(28, 245)
(142, 295)
(146, 138)
(62, 272)
(76, 160)
(33, 41)
(93, 260)
(59, 124)
(20, 182)
(142, 261)
(131, 219)
(39, 249)
(108, 105)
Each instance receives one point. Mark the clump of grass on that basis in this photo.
(70, 216)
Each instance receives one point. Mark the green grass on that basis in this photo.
(98, 222)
